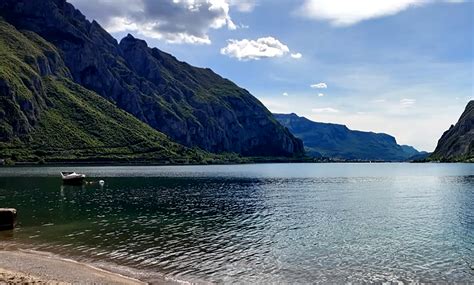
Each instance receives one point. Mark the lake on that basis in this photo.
(266, 223)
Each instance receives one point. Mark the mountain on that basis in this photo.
(193, 106)
(457, 143)
(44, 115)
(339, 142)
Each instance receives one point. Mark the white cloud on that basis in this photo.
(325, 110)
(174, 21)
(285, 94)
(346, 13)
(242, 26)
(244, 6)
(296, 55)
(321, 85)
(245, 49)
(321, 95)
(407, 102)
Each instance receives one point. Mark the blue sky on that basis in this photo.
(403, 67)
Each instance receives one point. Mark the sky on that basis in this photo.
(402, 67)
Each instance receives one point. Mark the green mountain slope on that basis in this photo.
(457, 143)
(193, 106)
(44, 115)
(338, 141)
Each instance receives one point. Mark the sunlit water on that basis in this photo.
(272, 223)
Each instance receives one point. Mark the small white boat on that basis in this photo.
(73, 177)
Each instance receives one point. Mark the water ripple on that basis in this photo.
(382, 228)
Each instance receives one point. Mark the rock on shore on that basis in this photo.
(7, 219)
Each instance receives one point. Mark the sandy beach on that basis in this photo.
(18, 266)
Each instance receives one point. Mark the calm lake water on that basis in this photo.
(269, 223)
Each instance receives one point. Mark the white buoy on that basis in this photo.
(101, 182)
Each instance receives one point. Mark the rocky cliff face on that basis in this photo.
(24, 59)
(194, 106)
(338, 141)
(45, 116)
(457, 144)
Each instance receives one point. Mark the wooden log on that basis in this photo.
(7, 219)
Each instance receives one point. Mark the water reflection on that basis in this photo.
(464, 197)
(258, 229)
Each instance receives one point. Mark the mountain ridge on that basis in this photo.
(457, 143)
(339, 142)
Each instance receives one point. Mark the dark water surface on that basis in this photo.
(272, 223)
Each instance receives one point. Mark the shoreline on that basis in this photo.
(29, 266)
(157, 163)
(100, 164)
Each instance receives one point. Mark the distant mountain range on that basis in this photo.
(339, 142)
(457, 143)
(70, 91)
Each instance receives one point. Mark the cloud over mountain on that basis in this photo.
(175, 21)
(267, 47)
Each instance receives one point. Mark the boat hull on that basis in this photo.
(74, 181)
(73, 178)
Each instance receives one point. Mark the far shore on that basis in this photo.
(276, 161)
(26, 267)
(99, 162)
